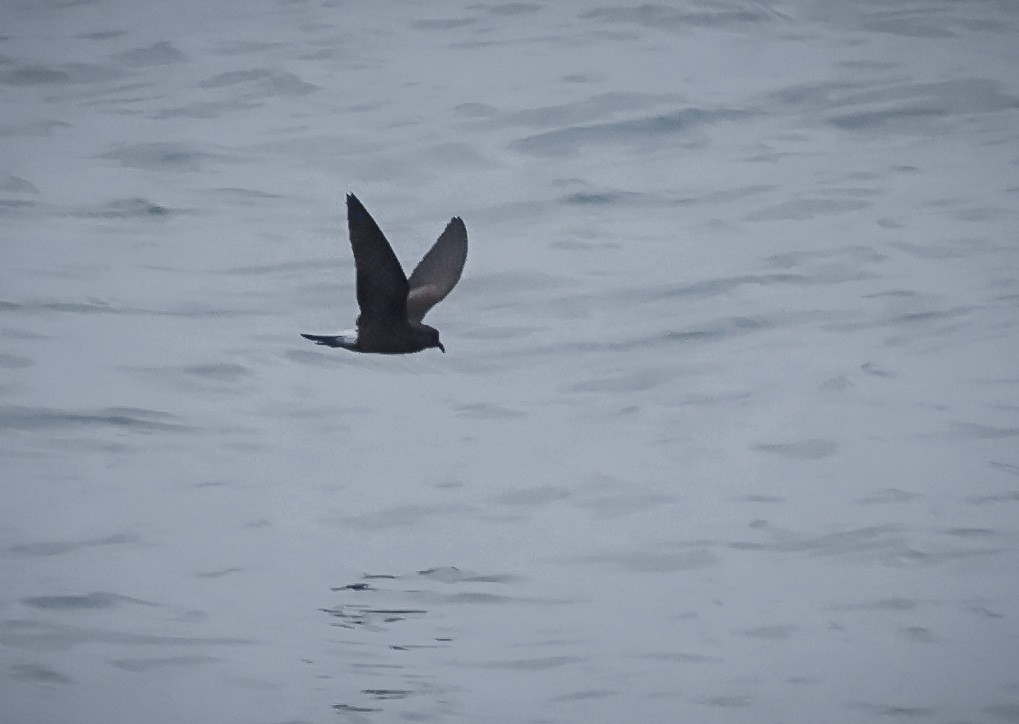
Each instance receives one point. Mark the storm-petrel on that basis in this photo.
(392, 306)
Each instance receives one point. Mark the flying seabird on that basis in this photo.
(392, 306)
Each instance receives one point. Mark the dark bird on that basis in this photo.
(392, 306)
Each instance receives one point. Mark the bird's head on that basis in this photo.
(435, 342)
(430, 337)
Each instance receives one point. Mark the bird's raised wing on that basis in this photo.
(381, 283)
(439, 270)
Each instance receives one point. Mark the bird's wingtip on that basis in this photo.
(355, 207)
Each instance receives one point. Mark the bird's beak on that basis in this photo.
(442, 348)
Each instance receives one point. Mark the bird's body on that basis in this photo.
(394, 338)
(393, 307)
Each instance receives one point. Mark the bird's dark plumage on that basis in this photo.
(391, 306)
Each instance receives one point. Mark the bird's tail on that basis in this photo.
(333, 340)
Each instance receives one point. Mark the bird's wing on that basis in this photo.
(381, 283)
(439, 270)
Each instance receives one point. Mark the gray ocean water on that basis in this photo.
(728, 427)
